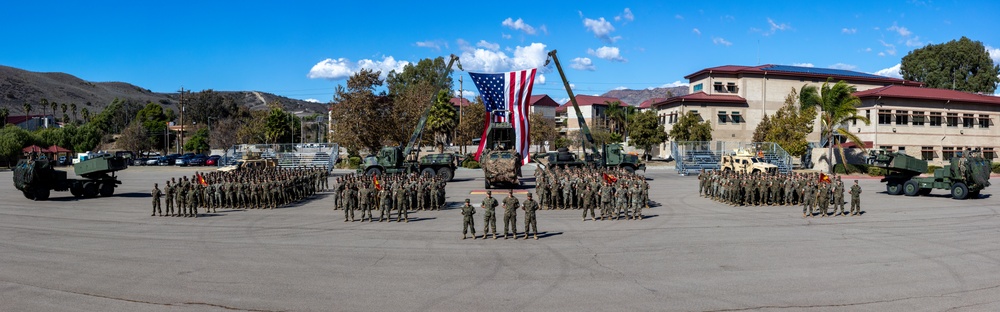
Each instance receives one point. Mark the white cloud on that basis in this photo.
(890, 49)
(468, 94)
(519, 24)
(994, 54)
(843, 66)
(776, 27)
(717, 40)
(678, 16)
(505, 36)
(583, 63)
(311, 100)
(849, 31)
(342, 68)
(696, 31)
(901, 30)
(571, 87)
(627, 15)
(803, 64)
(540, 79)
(621, 88)
(677, 83)
(890, 72)
(868, 49)
(545, 30)
(562, 100)
(482, 60)
(601, 28)
(607, 53)
(488, 45)
(433, 44)
(914, 42)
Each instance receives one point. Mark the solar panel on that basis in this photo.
(821, 71)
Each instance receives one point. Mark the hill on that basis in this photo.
(18, 86)
(636, 97)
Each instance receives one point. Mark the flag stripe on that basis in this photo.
(510, 92)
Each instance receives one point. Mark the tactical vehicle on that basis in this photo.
(500, 162)
(607, 156)
(965, 175)
(398, 159)
(251, 160)
(36, 178)
(744, 161)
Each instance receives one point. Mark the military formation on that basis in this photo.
(401, 193)
(510, 206)
(614, 193)
(245, 188)
(811, 190)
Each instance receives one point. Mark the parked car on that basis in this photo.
(152, 161)
(197, 160)
(64, 161)
(184, 160)
(213, 160)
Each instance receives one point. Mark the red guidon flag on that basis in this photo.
(824, 178)
(201, 180)
(378, 186)
(510, 92)
(610, 179)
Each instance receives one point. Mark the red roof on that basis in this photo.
(22, 118)
(457, 101)
(589, 100)
(803, 72)
(649, 103)
(868, 144)
(58, 149)
(34, 148)
(702, 97)
(901, 92)
(542, 100)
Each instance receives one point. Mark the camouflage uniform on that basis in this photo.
(510, 205)
(468, 224)
(855, 199)
(156, 194)
(530, 224)
(489, 215)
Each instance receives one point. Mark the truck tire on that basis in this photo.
(28, 194)
(894, 188)
(76, 189)
(90, 189)
(373, 171)
(974, 195)
(42, 194)
(629, 169)
(959, 191)
(446, 174)
(911, 188)
(427, 172)
(487, 184)
(107, 189)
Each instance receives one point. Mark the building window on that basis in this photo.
(884, 117)
(868, 115)
(737, 118)
(918, 118)
(927, 152)
(723, 118)
(731, 87)
(887, 148)
(984, 121)
(952, 120)
(935, 119)
(717, 86)
(968, 121)
(988, 153)
(947, 153)
(902, 117)
(697, 87)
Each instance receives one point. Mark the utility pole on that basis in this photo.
(180, 137)
(461, 100)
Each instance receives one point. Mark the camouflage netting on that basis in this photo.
(27, 172)
(500, 167)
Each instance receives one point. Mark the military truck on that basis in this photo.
(251, 160)
(500, 162)
(36, 178)
(965, 175)
(743, 161)
(607, 156)
(399, 159)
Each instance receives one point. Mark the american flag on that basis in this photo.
(507, 92)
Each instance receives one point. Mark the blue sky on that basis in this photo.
(303, 49)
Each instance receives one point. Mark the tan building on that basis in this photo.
(544, 105)
(931, 124)
(592, 107)
(735, 98)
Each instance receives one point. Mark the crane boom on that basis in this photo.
(576, 107)
(418, 132)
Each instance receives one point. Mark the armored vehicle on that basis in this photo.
(500, 162)
(965, 175)
(607, 156)
(390, 159)
(251, 160)
(744, 161)
(36, 178)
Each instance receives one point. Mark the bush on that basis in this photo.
(839, 168)
(876, 171)
(995, 167)
(353, 162)
(471, 163)
(931, 168)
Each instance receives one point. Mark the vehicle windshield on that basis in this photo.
(757, 160)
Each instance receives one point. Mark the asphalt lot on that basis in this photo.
(107, 254)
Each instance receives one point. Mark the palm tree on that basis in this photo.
(54, 107)
(86, 114)
(4, 113)
(27, 109)
(839, 106)
(45, 106)
(72, 107)
(618, 114)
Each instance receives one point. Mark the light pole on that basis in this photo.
(210, 132)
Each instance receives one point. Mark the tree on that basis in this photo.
(839, 106)
(27, 109)
(54, 106)
(961, 64)
(788, 127)
(359, 109)
(72, 107)
(763, 129)
(280, 126)
(12, 140)
(45, 106)
(690, 128)
(86, 114)
(471, 125)
(618, 115)
(429, 71)
(645, 131)
(4, 113)
(87, 138)
(65, 118)
(134, 138)
(542, 130)
(198, 142)
(442, 119)
(154, 120)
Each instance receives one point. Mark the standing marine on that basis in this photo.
(510, 205)
(855, 199)
(489, 215)
(530, 224)
(156, 199)
(468, 224)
